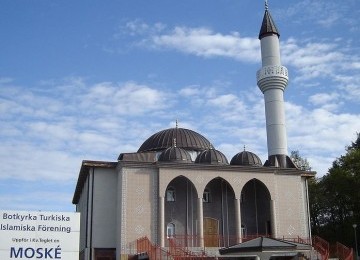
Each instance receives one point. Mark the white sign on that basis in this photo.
(39, 235)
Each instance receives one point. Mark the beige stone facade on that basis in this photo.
(123, 201)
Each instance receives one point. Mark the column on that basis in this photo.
(200, 216)
(273, 218)
(162, 221)
(238, 221)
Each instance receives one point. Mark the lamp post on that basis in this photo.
(356, 247)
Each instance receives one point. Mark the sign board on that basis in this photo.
(39, 235)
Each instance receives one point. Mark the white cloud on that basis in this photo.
(328, 101)
(225, 101)
(199, 41)
(320, 134)
(32, 162)
(38, 145)
(190, 91)
(4, 80)
(43, 129)
(355, 65)
(129, 98)
(324, 13)
(352, 91)
(206, 43)
(138, 27)
(313, 59)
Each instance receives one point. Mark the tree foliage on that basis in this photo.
(335, 198)
(299, 161)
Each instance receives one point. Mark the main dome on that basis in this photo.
(184, 138)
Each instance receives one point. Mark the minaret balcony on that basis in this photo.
(275, 76)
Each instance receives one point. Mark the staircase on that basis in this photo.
(321, 246)
(341, 252)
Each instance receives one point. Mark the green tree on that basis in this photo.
(335, 198)
(316, 203)
(299, 161)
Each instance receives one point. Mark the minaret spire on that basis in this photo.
(268, 26)
(272, 80)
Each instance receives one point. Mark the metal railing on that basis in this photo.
(191, 241)
(153, 251)
(174, 251)
(343, 252)
(322, 246)
(187, 247)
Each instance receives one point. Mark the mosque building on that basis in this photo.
(178, 191)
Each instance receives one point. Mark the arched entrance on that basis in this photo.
(219, 214)
(181, 211)
(255, 209)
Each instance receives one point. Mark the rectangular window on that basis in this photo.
(206, 196)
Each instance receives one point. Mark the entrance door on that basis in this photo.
(211, 232)
(105, 254)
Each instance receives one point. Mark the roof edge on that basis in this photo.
(84, 171)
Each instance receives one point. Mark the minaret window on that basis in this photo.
(170, 194)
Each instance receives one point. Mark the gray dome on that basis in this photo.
(246, 158)
(175, 154)
(211, 156)
(185, 138)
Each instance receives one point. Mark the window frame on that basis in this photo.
(170, 230)
(170, 194)
(206, 196)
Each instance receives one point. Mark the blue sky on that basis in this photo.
(92, 79)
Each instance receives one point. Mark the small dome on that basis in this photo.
(175, 154)
(246, 158)
(185, 138)
(211, 156)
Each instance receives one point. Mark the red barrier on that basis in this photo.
(343, 252)
(322, 246)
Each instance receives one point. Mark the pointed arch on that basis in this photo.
(181, 207)
(178, 181)
(220, 209)
(255, 208)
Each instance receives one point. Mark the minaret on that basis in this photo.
(272, 79)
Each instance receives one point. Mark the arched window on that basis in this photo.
(170, 230)
(170, 194)
(206, 196)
